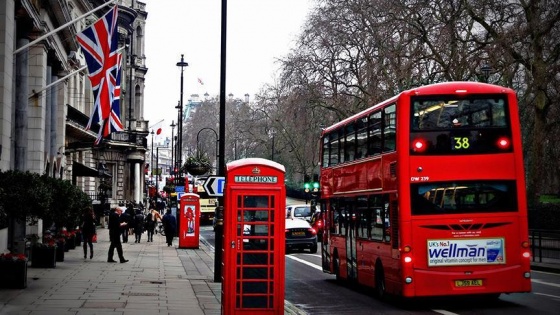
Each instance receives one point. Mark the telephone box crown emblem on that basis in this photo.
(256, 170)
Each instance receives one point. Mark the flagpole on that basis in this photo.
(58, 81)
(63, 26)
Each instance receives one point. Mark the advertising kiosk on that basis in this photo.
(254, 238)
(189, 213)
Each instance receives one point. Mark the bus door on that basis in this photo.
(351, 259)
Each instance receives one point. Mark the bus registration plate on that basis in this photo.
(468, 283)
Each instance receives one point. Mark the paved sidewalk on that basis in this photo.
(157, 280)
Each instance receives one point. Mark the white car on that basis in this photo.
(300, 235)
(300, 211)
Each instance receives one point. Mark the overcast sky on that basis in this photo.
(258, 32)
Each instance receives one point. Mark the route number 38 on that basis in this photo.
(461, 143)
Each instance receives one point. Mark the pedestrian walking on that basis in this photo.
(138, 225)
(151, 221)
(115, 230)
(169, 226)
(88, 230)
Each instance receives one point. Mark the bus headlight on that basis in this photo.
(408, 280)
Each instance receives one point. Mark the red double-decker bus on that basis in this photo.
(424, 194)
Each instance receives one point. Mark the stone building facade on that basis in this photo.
(46, 98)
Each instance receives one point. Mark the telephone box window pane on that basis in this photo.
(254, 287)
(255, 259)
(256, 202)
(255, 273)
(238, 301)
(271, 273)
(254, 301)
(271, 262)
(255, 216)
(272, 202)
(271, 287)
(255, 244)
(255, 230)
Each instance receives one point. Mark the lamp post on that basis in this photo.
(172, 160)
(221, 164)
(177, 140)
(182, 64)
(152, 158)
(485, 69)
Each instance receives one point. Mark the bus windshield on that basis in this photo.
(447, 113)
(451, 125)
(463, 197)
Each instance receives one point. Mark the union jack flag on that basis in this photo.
(99, 43)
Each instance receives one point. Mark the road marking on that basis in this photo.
(314, 255)
(444, 312)
(305, 262)
(549, 295)
(545, 283)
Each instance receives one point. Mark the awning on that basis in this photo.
(81, 170)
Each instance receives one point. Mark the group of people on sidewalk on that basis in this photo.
(119, 225)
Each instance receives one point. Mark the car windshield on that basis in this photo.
(300, 212)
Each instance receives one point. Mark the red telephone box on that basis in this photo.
(254, 238)
(189, 214)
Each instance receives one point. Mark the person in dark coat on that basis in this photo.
(138, 225)
(115, 230)
(88, 230)
(170, 227)
(150, 226)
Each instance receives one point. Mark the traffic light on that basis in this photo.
(306, 186)
(315, 186)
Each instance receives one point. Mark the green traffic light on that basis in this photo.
(315, 185)
(306, 186)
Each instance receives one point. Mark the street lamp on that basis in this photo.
(485, 69)
(178, 107)
(182, 64)
(152, 159)
(172, 160)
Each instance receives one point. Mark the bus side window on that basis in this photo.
(326, 152)
(374, 134)
(386, 223)
(361, 138)
(350, 143)
(377, 225)
(389, 128)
